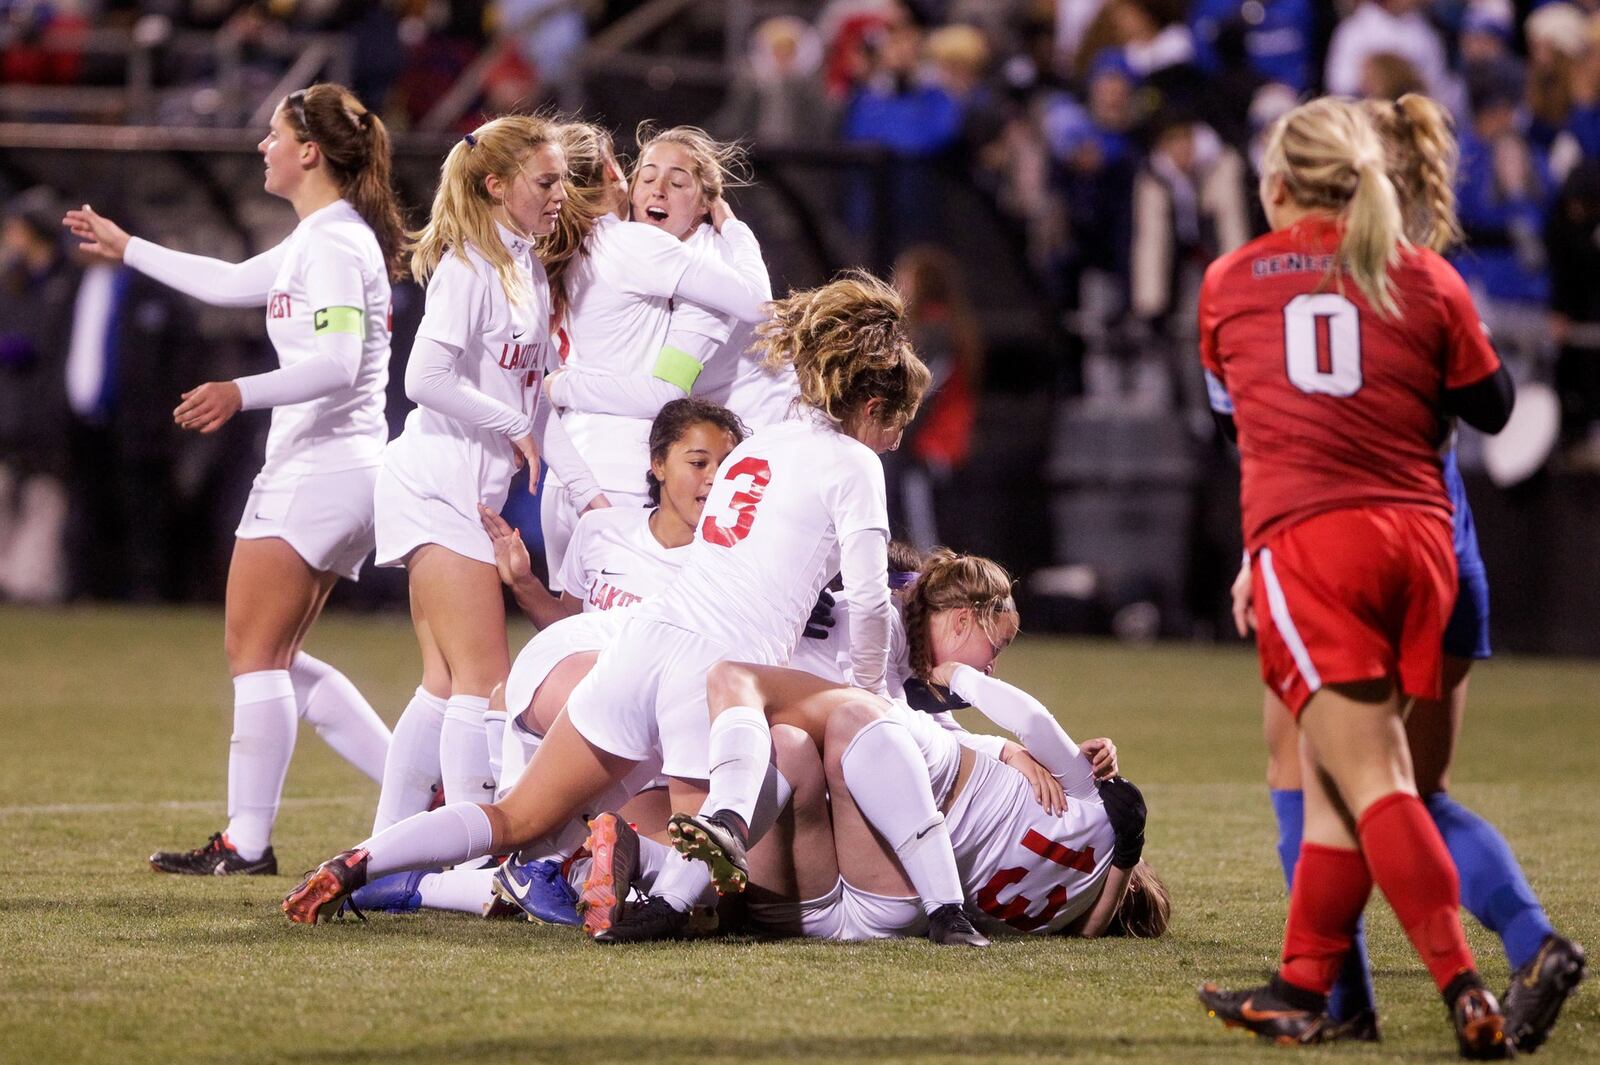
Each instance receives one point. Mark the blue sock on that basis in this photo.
(1290, 809)
(1493, 888)
(1352, 991)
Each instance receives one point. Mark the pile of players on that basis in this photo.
(699, 717)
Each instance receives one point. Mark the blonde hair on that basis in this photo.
(1146, 907)
(848, 345)
(1420, 144)
(590, 156)
(718, 165)
(951, 581)
(1330, 157)
(463, 210)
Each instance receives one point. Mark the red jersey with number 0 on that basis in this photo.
(1336, 404)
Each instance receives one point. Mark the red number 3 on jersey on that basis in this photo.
(743, 504)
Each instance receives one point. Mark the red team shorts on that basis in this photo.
(1355, 594)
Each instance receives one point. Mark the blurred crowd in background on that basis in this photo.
(1116, 138)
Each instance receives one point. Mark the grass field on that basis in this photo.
(114, 726)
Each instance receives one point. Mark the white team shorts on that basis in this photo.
(407, 519)
(542, 654)
(647, 693)
(558, 518)
(845, 915)
(326, 517)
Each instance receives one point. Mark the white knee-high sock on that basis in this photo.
(330, 704)
(494, 734)
(776, 791)
(740, 752)
(464, 751)
(888, 779)
(463, 890)
(411, 771)
(681, 882)
(264, 722)
(447, 836)
(517, 746)
(653, 859)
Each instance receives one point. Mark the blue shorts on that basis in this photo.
(1467, 634)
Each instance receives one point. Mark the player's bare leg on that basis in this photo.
(462, 601)
(273, 598)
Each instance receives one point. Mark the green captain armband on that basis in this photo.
(677, 367)
(338, 320)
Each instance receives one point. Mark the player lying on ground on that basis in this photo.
(1071, 864)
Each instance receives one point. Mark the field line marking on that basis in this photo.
(69, 808)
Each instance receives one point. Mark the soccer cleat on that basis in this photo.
(949, 926)
(1360, 1028)
(538, 889)
(395, 893)
(216, 858)
(1539, 989)
(716, 840)
(1480, 1026)
(318, 896)
(653, 920)
(1264, 1011)
(614, 845)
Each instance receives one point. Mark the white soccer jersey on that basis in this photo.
(769, 537)
(829, 658)
(503, 348)
(615, 561)
(1021, 866)
(619, 307)
(331, 259)
(735, 377)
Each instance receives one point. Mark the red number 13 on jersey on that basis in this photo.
(743, 504)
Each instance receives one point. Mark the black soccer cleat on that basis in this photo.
(1539, 989)
(949, 926)
(1267, 1012)
(216, 858)
(1480, 1026)
(323, 891)
(719, 841)
(1360, 1028)
(651, 922)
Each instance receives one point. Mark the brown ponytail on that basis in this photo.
(355, 147)
(1420, 144)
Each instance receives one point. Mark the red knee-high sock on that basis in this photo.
(1409, 861)
(1331, 886)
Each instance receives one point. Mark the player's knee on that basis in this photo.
(729, 684)
(249, 652)
(844, 724)
(798, 759)
(497, 698)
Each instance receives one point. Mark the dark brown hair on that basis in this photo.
(355, 146)
(677, 418)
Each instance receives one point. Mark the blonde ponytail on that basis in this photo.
(1420, 144)
(1330, 157)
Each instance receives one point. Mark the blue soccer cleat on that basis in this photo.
(538, 889)
(395, 893)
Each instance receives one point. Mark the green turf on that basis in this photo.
(114, 727)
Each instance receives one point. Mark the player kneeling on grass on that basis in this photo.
(1066, 861)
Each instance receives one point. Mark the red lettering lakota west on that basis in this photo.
(518, 356)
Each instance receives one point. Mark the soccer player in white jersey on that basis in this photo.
(616, 283)
(474, 375)
(785, 515)
(620, 556)
(680, 175)
(308, 520)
